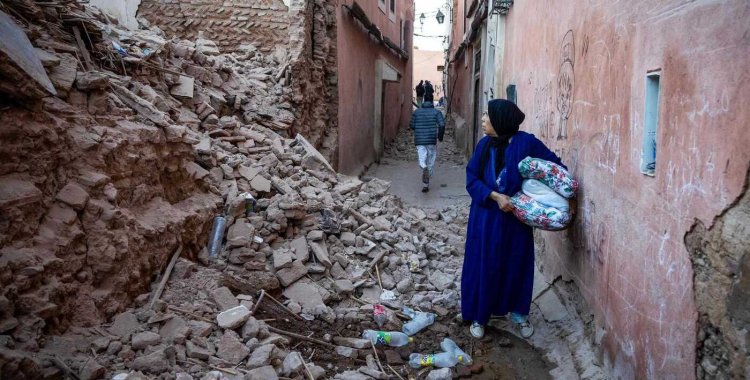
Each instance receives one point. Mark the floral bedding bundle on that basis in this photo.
(542, 202)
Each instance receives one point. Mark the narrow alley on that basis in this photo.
(231, 190)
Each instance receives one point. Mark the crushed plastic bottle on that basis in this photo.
(379, 314)
(250, 204)
(451, 347)
(419, 320)
(441, 360)
(388, 338)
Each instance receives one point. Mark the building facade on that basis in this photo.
(374, 77)
(645, 103)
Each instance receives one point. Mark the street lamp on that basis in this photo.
(440, 17)
(421, 18)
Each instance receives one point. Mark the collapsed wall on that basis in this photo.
(721, 264)
(302, 34)
(110, 168)
(231, 23)
(314, 74)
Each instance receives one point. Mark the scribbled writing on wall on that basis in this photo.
(565, 83)
(543, 116)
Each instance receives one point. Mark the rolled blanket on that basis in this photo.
(550, 174)
(544, 195)
(535, 214)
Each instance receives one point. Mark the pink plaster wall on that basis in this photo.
(357, 54)
(626, 251)
(425, 63)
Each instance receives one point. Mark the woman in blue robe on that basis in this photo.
(498, 269)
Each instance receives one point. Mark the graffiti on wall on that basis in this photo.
(543, 115)
(565, 83)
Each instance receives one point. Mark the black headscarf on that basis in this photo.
(506, 118)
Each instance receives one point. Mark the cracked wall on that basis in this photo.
(721, 262)
(580, 72)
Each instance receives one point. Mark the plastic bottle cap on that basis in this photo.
(460, 358)
(411, 339)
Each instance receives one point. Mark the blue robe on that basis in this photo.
(498, 270)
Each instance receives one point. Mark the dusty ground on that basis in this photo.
(502, 354)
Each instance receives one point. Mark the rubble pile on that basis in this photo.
(106, 140)
(120, 167)
(402, 148)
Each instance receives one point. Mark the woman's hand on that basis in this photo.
(502, 200)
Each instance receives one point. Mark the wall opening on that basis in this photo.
(650, 124)
(510, 92)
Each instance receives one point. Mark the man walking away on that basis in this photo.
(429, 127)
(429, 91)
(420, 93)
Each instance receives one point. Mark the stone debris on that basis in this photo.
(233, 318)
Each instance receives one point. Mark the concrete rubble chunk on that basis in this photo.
(305, 294)
(262, 373)
(18, 49)
(196, 352)
(224, 298)
(124, 325)
(15, 192)
(441, 280)
(301, 249)
(317, 371)
(142, 106)
(48, 59)
(348, 185)
(316, 235)
(184, 88)
(292, 364)
(320, 250)
(200, 328)
(260, 184)
(92, 80)
(153, 363)
(344, 286)
(231, 349)
(204, 146)
(233, 318)
(261, 356)
(282, 259)
(240, 234)
(73, 195)
(352, 375)
(440, 374)
(348, 239)
(195, 171)
(175, 330)
(373, 373)
(92, 371)
(144, 339)
(248, 172)
(346, 352)
(288, 276)
(64, 75)
(251, 328)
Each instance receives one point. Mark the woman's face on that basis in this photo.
(487, 126)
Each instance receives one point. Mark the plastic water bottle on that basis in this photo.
(388, 338)
(451, 347)
(419, 320)
(441, 360)
(379, 314)
(249, 204)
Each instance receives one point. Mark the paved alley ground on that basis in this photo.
(399, 166)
